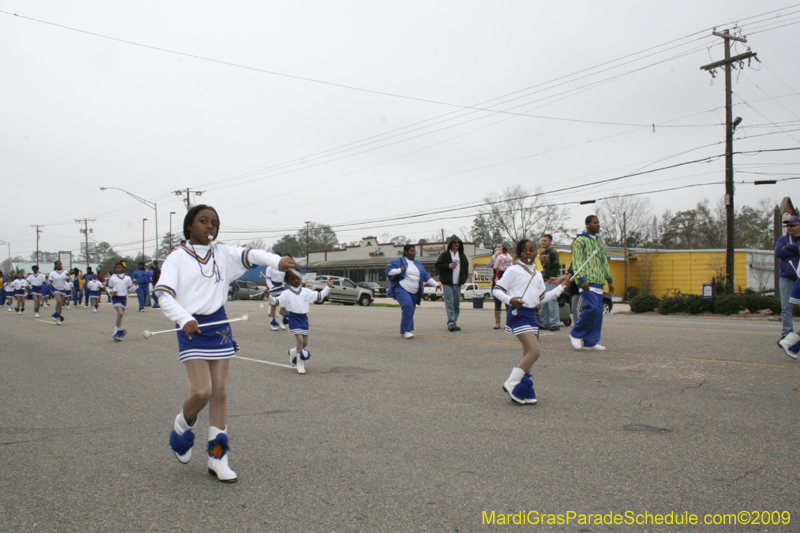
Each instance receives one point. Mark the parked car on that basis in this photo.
(377, 290)
(343, 291)
(432, 293)
(564, 302)
(473, 290)
(247, 290)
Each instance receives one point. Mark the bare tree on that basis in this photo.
(637, 224)
(518, 213)
(646, 262)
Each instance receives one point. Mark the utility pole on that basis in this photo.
(188, 200)
(307, 243)
(730, 213)
(38, 231)
(86, 231)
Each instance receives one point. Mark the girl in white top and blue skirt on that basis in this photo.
(522, 289)
(192, 291)
(119, 285)
(60, 283)
(297, 300)
(275, 286)
(36, 281)
(20, 284)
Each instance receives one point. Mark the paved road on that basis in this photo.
(386, 434)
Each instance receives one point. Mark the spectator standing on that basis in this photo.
(499, 263)
(453, 268)
(551, 269)
(786, 250)
(86, 279)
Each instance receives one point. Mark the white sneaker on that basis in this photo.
(94, 310)
(37, 314)
(596, 348)
(273, 327)
(787, 342)
(408, 334)
(9, 309)
(576, 343)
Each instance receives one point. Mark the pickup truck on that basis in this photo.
(343, 290)
(468, 292)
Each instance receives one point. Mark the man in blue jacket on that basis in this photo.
(786, 250)
(142, 280)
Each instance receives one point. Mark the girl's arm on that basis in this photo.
(173, 310)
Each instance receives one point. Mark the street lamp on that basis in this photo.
(9, 250)
(143, 221)
(148, 203)
(170, 229)
(307, 223)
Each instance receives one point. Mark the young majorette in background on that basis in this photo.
(93, 288)
(36, 280)
(275, 286)
(8, 289)
(60, 283)
(297, 299)
(522, 288)
(20, 284)
(119, 284)
(192, 291)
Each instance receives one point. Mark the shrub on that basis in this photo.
(697, 304)
(673, 304)
(633, 292)
(644, 303)
(756, 303)
(729, 304)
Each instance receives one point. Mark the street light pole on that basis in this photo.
(170, 229)
(307, 242)
(143, 221)
(9, 251)
(148, 203)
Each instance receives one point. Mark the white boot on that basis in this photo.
(293, 357)
(218, 455)
(787, 342)
(181, 438)
(523, 394)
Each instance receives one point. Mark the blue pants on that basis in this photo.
(550, 317)
(590, 322)
(407, 305)
(452, 304)
(77, 296)
(785, 286)
(86, 291)
(155, 297)
(141, 293)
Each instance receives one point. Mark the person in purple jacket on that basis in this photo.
(786, 250)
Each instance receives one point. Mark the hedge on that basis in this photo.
(644, 303)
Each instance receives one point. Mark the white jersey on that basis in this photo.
(60, 280)
(94, 285)
(195, 278)
(19, 284)
(36, 280)
(274, 277)
(119, 285)
(9, 288)
(514, 282)
(298, 301)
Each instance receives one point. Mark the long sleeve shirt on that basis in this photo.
(597, 271)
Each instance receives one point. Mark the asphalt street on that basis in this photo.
(694, 415)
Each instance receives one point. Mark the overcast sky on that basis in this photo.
(352, 113)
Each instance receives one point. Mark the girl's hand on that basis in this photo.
(191, 328)
(330, 282)
(516, 301)
(286, 263)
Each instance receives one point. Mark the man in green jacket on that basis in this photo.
(585, 335)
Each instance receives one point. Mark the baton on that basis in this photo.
(244, 318)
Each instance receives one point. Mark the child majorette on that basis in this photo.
(8, 289)
(20, 284)
(45, 292)
(192, 291)
(119, 284)
(296, 299)
(93, 288)
(36, 280)
(275, 286)
(522, 288)
(60, 282)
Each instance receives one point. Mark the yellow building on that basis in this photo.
(667, 272)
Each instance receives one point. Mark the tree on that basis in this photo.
(485, 235)
(518, 214)
(753, 227)
(629, 213)
(320, 237)
(257, 244)
(693, 229)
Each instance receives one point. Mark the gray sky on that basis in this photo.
(351, 112)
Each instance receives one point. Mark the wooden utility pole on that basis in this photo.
(38, 231)
(86, 231)
(730, 212)
(188, 200)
